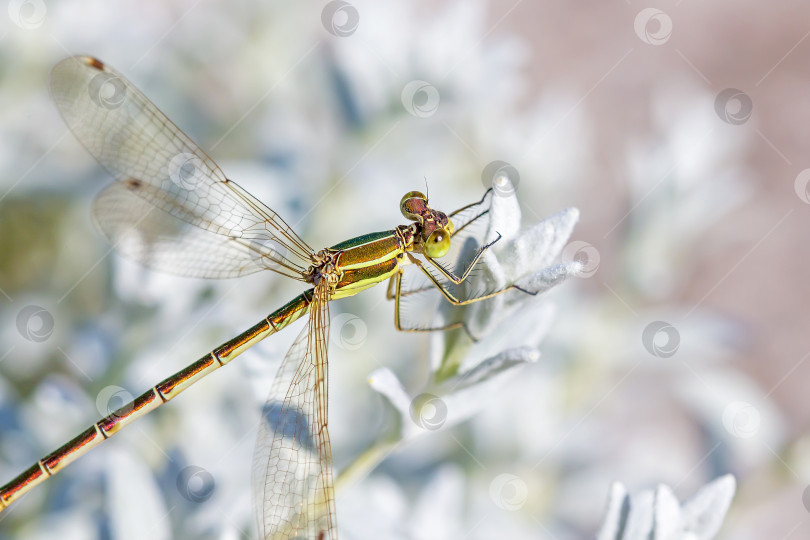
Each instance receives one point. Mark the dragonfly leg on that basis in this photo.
(392, 289)
(459, 279)
(450, 297)
(396, 282)
(392, 283)
(470, 205)
(391, 292)
(473, 220)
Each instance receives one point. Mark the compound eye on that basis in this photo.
(438, 244)
(412, 205)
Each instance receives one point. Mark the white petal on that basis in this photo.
(667, 514)
(640, 522)
(505, 361)
(497, 276)
(504, 218)
(525, 324)
(618, 508)
(703, 514)
(465, 395)
(539, 245)
(387, 383)
(549, 277)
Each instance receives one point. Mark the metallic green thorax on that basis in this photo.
(364, 261)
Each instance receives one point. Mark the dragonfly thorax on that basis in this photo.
(324, 267)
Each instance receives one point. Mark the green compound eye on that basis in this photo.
(438, 244)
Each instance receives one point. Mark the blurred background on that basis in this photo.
(678, 130)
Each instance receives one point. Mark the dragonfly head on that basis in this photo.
(435, 228)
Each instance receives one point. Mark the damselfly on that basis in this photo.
(173, 209)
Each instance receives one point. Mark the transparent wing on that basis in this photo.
(133, 140)
(292, 477)
(145, 233)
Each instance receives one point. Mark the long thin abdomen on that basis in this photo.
(151, 400)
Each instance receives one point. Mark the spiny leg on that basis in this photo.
(450, 275)
(392, 282)
(396, 282)
(470, 205)
(470, 222)
(450, 297)
(390, 294)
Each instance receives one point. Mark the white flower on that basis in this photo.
(657, 515)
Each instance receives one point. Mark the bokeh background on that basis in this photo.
(678, 129)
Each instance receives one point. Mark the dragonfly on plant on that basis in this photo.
(174, 210)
